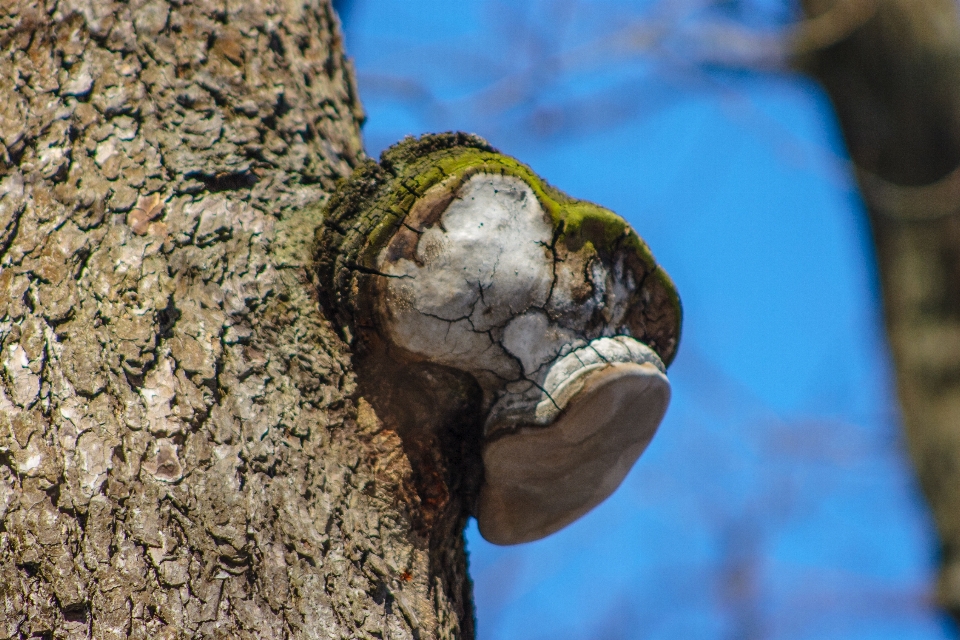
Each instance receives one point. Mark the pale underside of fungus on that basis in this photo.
(551, 309)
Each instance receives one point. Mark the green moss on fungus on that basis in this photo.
(371, 205)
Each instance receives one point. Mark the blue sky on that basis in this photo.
(776, 501)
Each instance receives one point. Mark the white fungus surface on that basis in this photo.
(484, 293)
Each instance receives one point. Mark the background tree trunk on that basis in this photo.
(895, 84)
(182, 450)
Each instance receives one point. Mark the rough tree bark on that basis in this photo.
(182, 450)
(894, 79)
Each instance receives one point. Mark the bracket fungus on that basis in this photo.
(462, 279)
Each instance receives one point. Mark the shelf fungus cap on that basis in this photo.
(450, 253)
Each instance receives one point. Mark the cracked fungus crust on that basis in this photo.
(451, 255)
(483, 290)
(486, 261)
(391, 203)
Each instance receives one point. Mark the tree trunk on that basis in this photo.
(895, 83)
(182, 449)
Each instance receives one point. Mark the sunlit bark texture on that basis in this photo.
(182, 451)
(895, 83)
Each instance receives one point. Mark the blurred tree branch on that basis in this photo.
(895, 84)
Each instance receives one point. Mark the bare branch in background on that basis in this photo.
(673, 39)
